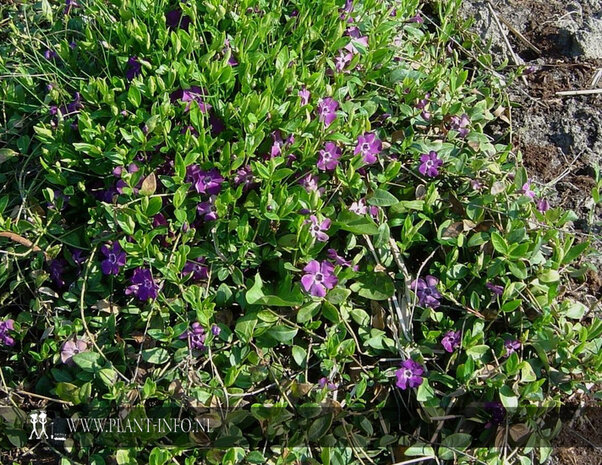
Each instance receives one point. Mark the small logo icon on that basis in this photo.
(42, 419)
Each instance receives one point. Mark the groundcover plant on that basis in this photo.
(284, 224)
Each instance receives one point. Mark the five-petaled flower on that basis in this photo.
(369, 146)
(245, 177)
(360, 208)
(309, 182)
(342, 261)
(543, 205)
(71, 348)
(426, 291)
(409, 375)
(511, 345)
(5, 337)
(134, 68)
(114, 258)
(208, 182)
(526, 190)
(194, 94)
(143, 285)
(195, 336)
(207, 209)
(460, 124)
(327, 110)
(304, 94)
(328, 157)
(429, 164)
(317, 228)
(451, 340)
(495, 288)
(174, 19)
(196, 268)
(319, 278)
(325, 383)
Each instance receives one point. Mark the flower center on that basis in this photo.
(365, 147)
(429, 163)
(319, 277)
(408, 373)
(148, 283)
(112, 258)
(76, 351)
(208, 179)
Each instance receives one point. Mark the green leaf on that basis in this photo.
(499, 243)
(134, 96)
(356, 224)
(374, 286)
(282, 333)
(454, 442)
(320, 427)
(6, 154)
(508, 398)
(382, 198)
(550, 276)
(156, 355)
(300, 356)
(88, 361)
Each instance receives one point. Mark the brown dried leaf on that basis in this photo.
(519, 432)
(453, 230)
(149, 185)
(105, 306)
(378, 315)
(497, 188)
(420, 192)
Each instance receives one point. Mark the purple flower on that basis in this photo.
(134, 68)
(451, 341)
(196, 336)
(460, 124)
(77, 257)
(50, 54)
(328, 157)
(327, 108)
(476, 184)
(495, 288)
(422, 103)
(245, 177)
(409, 375)
(70, 4)
(232, 60)
(360, 208)
(190, 128)
(426, 116)
(143, 285)
(497, 412)
(429, 164)
(526, 190)
(208, 182)
(194, 94)
(174, 19)
(426, 291)
(319, 278)
(56, 268)
(217, 124)
(305, 95)
(71, 348)
(279, 143)
(416, 19)
(317, 229)
(342, 60)
(511, 345)
(335, 257)
(215, 330)
(197, 268)
(208, 209)
(115, 259)
(356, 39)
(543, 205)
(369, 146)
(324, 383)
(309, 182)
(5, 327)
